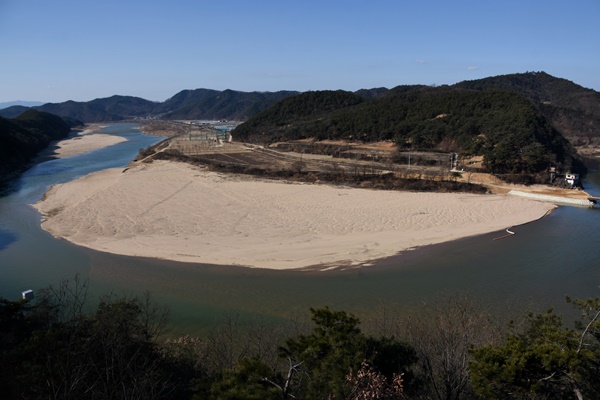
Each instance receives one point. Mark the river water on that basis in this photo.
(546, 260)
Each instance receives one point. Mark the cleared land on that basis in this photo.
(341, 160)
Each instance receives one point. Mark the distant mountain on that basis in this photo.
(20, 103)
(515, 112)
(114, 108)
(13, 111)
(215, 105)
(185, 98)
(187, 104)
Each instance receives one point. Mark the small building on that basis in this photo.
(572, 179)
(27, 294)
(552, 171)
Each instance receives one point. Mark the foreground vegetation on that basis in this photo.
(52, 348)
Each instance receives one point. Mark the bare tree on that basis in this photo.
(228, 343)
(367, 383)
(442, 336)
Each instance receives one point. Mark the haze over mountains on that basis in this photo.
(20, 103)
(187, 104)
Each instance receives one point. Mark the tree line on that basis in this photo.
(58, 347)
(502, 126)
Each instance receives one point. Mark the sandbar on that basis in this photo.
(85, 141)
(176, 211)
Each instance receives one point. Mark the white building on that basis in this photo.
(572, 179)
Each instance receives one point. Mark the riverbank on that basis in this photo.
(82, 142)
(175, 211)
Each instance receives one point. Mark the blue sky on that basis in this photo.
(60, 50)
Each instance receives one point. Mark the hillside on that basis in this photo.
(293, 117)
(114, 108)
(23, 103)
(571, 108)
(13, 111)
(518, 122)
(187, 104)
(23, 137)
(216, 105)
(503, 126)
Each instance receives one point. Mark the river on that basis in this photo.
(546, 260)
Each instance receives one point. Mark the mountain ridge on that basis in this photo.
(375, 114)
(23, 103)
(561, 101)
(572, 109)
(186, 104)
(519, 123)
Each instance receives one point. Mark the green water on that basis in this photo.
(537, 267)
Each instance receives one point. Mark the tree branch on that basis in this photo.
(585, 331)
(285, 389)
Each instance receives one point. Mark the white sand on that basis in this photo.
(174, 211)
(85, 141)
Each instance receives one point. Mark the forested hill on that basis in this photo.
(296, 117)
(217, 105)
(571, 108)
(187, 104)
(114, 108)
(503, 126)
(23, 137)
(13, 111)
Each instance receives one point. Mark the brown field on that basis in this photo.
(202, 145)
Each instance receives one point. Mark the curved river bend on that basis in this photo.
(546, 260)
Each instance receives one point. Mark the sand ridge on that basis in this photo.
(175, 211)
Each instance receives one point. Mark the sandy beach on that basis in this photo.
(85, 141)
(175, 211)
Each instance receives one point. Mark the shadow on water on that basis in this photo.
(31, 257)
(46, 155)
(7, 238)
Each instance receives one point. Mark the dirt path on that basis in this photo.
(497, 186)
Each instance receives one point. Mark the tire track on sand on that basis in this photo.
(181, 189)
